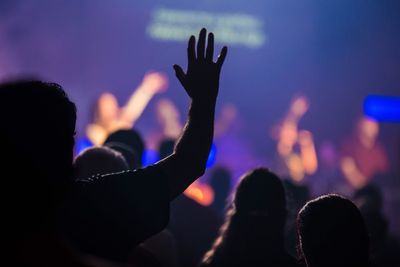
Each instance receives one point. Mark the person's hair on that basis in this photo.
(98, 160)
(130, 144)
(332, 233)
(254, 224)
(37, 130)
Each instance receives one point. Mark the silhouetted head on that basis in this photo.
(254, 226)
(37, 132)
(332, 233)
(261, 193)
(166, 148)
(98, 160)
(130, 144)
(220, 182)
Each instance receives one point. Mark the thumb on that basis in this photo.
(180, 74)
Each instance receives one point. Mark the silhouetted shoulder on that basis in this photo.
(110, 214)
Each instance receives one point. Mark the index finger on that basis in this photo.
(222, 56)
(191, 51)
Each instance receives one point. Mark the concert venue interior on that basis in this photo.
(310, 89)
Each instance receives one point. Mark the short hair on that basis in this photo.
(37, 130)
(98, 160)
(332, 233)
(39, 120)
(130, 143)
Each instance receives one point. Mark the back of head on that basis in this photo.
(37, 130)
(130, 144)
(254, 226)
(98, 160)
(332, 233)
(261, 193)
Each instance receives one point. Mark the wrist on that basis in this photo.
(206, 101)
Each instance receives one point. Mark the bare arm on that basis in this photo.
(153, 83)
(201, 82)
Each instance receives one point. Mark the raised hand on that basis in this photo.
(155, 82)
(201, 80)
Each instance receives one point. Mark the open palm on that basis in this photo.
(201, 80)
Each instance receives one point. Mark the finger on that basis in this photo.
(222, 56)
(210, 47)
(180, 74)
(201, 43)
(191, 53)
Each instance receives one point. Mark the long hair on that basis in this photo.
(254, 224)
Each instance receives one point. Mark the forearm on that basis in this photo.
(201, 82)
(194, 145)
(188, 162)
(135, 106)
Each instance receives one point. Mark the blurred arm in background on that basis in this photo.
(109, 117)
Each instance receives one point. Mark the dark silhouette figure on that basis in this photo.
(220, 182)
(111, 214)
(369, 198)
(385, 249)
(332, 233)
(98, 160)
(130, 144)
(37, 130)
(194, 226)
(253, 233)
(296, 196)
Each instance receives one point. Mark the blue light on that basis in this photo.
(82, 144)
(149, 157)
(212, 156)
(382, 108)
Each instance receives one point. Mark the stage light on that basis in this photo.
(150, 157)
(212, 156)
(382, 108)
(81, 145)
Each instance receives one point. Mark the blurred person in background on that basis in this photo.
(110, 117)
(363, 155)
(295, 148)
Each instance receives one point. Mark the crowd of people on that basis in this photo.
(104, 209)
